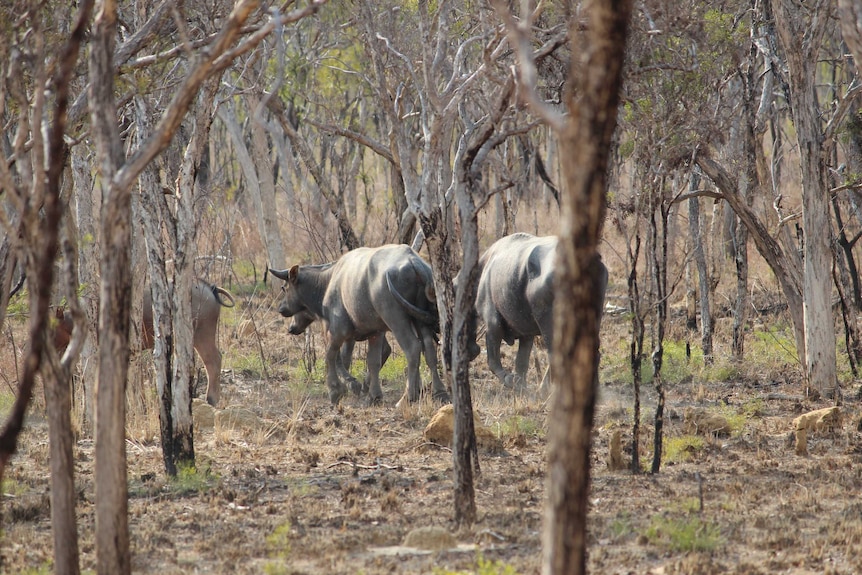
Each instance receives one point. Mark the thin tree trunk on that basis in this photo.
(185, 252)
(262, 157)
(585, 139)
(88, 274)
(264, 204)
(154, 214)
(658, 248)
(702, 271)
(636, 347)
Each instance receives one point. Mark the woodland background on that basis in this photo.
(160, 141)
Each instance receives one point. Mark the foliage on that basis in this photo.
(395, 368)
(683, 534)
(7, 400)
(249, 363)
(681, 448)
(677, 366)
(773, 349)
(483, 567)
(278, 546)
(19, 305)
(518, 425)
(194, 479)
(12, 487)
(621, 526)
(44, 569)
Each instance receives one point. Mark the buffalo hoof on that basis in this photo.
(441, 397)
(514, 381)
(336, 394)
(356, 387)
(374, 401)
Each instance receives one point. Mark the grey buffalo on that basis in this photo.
(515, 299)
(363, 295)
(207, 301)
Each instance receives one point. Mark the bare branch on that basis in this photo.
(837, 118)
(526, 73)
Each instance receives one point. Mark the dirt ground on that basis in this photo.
(303, 488)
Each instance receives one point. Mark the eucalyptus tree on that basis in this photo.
(801, 33)
(34, 98)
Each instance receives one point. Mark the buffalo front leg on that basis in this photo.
(374, 362)
(343, 361)
(337, 389)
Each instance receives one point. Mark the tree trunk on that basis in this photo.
(86, 211)
(801, 39)
(185, 252)
(636, 346)
(58, 400)
(702, 271)
(586, 139)
(262, 157)
(657, 248)
(264, 204)
(112, 530)
(786, 266)
(156, 220)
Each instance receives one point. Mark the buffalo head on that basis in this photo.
(291, 302)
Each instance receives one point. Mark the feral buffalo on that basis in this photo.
(300, 322)
(207, 301)
(515, 299)
(364, 294)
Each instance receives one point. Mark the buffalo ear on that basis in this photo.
(293, 274)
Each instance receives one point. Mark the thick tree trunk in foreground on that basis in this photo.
(585, 139)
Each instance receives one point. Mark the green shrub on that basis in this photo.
(191, 479)
(518, 425)
(681, 448)
(684, 534)
(483, 567)
(278, 547)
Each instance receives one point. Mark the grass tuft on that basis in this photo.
(682, 448)
(684, 534)
(483, 567)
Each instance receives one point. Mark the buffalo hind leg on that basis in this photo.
(493, 340)
(522, 360)
(344, 360)
(211, 358)
(429, 347)
(404, 333)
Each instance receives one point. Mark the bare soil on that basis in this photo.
(307, 488)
